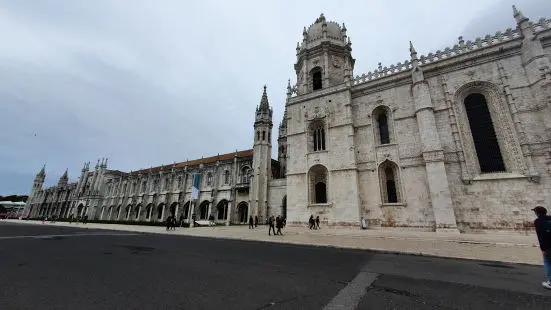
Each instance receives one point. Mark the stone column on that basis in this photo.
(228, 215)
(433, 154)
(210, 209)
(191, 212)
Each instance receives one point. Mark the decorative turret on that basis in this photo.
(64, 179)
(324, 58)
(416, 72)
(37, 187)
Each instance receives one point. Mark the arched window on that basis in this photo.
(258, 135)
(484, 135)
(179, 181)
(222, 210)
(160, 210)
(318, 184)
(316, 78)
(388, 174)
(382, 126)
(317, 133)
(263, 135)
(227, 177)
(245, 171)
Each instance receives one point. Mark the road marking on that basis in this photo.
(350, 296)
(66, 235)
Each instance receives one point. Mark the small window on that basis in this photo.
(209, 178)
(258, 135)
(383, 128)
(227, 177)
(263, 135)
(318, 136)
(316, 79)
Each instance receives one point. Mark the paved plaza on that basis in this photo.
(510, 247)
(51, 266)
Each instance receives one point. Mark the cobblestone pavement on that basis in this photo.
(504, 247)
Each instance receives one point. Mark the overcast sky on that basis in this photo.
(146, 83)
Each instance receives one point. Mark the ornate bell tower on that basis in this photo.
(324, 57)
(262, 159)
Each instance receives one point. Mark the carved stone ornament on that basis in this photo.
(336, 62)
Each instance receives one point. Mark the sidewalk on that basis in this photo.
(514, 248)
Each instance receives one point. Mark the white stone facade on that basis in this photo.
(429, 151)
(458, 139)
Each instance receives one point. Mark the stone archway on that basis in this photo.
(80, 208)
(173, 208)
(222, 210)
(160, 210)
(148, 211)
(185, 211)
(243, 212)
(204, 210)
(137, 211)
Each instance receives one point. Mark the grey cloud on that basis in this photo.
(152, 82)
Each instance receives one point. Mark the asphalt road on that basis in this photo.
(47, 267)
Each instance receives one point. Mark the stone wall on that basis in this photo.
(277, 190)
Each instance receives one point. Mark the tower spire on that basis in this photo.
(413, 54)
(264, 105)
(519, 17)
(42, 172)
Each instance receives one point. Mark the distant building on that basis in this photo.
(454, 140)
(13, 209)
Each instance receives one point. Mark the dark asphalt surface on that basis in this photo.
(94, 270)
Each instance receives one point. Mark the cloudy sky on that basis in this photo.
(146, 83)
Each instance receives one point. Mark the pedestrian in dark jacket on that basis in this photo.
(272, 226)
(279, 225)
(543, 230)
(251, 224)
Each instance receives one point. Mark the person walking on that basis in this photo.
(543, 230)
(251, 224)
(318, 222)
(272, 226)
(255, 221)
(279, 225)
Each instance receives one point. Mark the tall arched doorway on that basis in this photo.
(222, 210)
(242, 212)
(186, 210)
(173, 208)
(160, 210)
(80, 209)
(204, 210)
